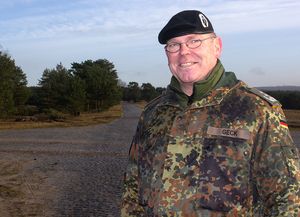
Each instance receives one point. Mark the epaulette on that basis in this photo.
(272, 101)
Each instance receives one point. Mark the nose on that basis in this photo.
(184, 49)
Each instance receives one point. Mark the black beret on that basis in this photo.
(184, 23)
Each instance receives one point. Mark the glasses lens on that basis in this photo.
(194, 43)
(173, 47)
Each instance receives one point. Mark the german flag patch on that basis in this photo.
(283, 124)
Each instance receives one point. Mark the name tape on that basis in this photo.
(240, 133)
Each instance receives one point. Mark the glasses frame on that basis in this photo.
(187, 44)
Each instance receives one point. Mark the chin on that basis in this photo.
(188, 81)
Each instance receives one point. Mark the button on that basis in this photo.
(246, 153)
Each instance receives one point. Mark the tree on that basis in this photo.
(55, 85)
(101, 83)
(148, 92)
(35, 99)
(13, 90)
(77, 96)
(62, 91)
(132, 92)
(21, 92)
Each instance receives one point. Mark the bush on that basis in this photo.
(51, 115)
(27, 110)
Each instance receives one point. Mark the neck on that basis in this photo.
(187, 88)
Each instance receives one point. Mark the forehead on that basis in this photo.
(186, 37)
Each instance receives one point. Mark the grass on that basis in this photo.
(84, 119)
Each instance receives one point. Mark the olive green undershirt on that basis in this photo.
(201, 88)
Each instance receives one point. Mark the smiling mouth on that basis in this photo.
(188, 64)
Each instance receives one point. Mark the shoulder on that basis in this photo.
(271, 100)
(259, 96)
(263, 102)
(154, 102)
(151, 107)
(259, 106)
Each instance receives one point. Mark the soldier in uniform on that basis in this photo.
(210, 145)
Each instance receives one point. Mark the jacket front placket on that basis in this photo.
(181, 171)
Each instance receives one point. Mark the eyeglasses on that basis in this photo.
(174, 47)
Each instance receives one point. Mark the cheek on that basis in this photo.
(171, 60)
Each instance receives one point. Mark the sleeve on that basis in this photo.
(277, 172)
(130, 203)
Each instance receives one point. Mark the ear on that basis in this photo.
(218, 46)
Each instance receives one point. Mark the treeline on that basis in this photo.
(89, 86)
(133, 92)
(288, 99)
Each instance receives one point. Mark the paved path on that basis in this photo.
(67, 171)
(80, 170)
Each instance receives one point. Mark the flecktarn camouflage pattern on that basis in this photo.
(228, 154)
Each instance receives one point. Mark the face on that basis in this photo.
(192, 65)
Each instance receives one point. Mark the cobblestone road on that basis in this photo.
(69, 171)
(82, 167)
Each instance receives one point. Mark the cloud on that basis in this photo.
(243, 16)
(88, 21)
(135, 17)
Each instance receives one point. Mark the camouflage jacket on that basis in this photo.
(228, 154)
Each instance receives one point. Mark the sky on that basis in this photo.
(261, 38)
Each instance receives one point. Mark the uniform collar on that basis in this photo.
(214, 95)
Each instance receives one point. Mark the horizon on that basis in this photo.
(260, 38)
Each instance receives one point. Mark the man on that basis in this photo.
(210, 145)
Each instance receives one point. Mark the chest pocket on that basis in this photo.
(229, 148)
(224, 167)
